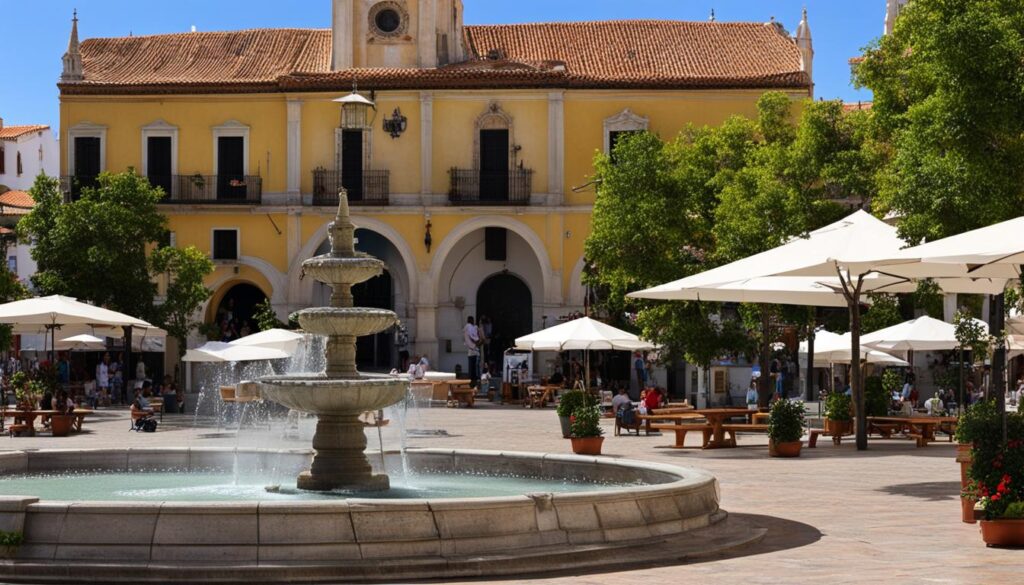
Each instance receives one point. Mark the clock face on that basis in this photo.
(388, 20)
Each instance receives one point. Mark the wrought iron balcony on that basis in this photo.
(210, 189)
(367, 188)
(474, 187)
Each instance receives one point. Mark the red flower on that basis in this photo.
(995, 497)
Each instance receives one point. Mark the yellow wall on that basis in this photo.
(259, 239)
(195, 117)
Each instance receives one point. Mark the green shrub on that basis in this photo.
(570, 401)
(786, 421)
(876, 396)
(997, 467)
(586, 422)
(838, 407)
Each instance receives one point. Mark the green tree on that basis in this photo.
(185, 270)
(11, 289)
(948, 87)
(95, 248)
(884, 312)
(266, 317)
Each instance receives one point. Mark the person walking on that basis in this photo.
(471, 337)
(103, 377)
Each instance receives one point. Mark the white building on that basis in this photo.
(26, 151)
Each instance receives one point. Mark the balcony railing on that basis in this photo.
(72, 185)
(473, 187)
(210, 189)
(368, 188)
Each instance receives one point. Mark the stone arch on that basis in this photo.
(411, 276)
(552, 286)
(276, 282)
(222, 289)
(577, 292)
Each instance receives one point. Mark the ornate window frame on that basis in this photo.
(493, 118)
(159, 129)
(624, 121)
(87, 130)
(228, 129)
(399, 33)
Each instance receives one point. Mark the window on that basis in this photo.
(225, 245)
(620, 124)
(495, 244)
(19, 167)
(389, 20)
(12, 264)
(160, 155)
(613, 140)
(3, 161)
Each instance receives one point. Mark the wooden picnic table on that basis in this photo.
(28, 418)
(716, 418)
(673, 417)
(921, 428)
(540, 395)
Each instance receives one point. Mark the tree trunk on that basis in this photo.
(764, 385)
(810, 357)
(856, 379)
(996, 326)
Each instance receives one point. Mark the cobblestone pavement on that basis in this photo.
(835, 515)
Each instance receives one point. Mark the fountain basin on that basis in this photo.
(665, 513)
(320, 395)
(333, 269)
(356, 322)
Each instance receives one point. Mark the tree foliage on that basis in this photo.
(949, 97)
(94, 249)
(185, 270)
(884, 312)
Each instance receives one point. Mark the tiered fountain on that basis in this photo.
(341, 394)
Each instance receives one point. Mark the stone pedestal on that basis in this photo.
(340, 462)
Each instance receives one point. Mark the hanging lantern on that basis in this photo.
(355, 111)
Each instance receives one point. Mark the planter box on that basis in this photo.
(838, 427)
(1003, 532)
(587, 445)
(784, 449)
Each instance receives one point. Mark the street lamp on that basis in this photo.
(354, 111)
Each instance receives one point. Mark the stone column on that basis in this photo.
(294, 151)
(340, 462)
(556, 147)
(426, 147)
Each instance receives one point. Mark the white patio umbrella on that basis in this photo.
(849, 251)
(921, 334)
(217, 352)
(54, 312)
(82, 343)
(583, 334)
(286, 341)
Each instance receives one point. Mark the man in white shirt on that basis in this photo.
(471, 337)
(103, 376)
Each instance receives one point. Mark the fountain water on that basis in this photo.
(339, 395)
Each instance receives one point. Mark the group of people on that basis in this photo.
(110, 385)
(477, 339)
(232, 325)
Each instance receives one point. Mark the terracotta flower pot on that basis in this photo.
(838, 427)
(1003, 532)
(587, 445)
(791, 449)
(60, 424)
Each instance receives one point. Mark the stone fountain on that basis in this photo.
(339, 395)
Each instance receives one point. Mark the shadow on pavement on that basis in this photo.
(933, 491)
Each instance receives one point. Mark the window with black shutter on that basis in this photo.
(225, 244)
(496, 244)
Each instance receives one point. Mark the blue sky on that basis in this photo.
(36, 32)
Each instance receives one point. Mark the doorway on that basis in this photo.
(158, 163)
(231, 168)
(374, 353)
(494, 149)
(507, 302)
(352, 163)
(237, 309)
(87, 163)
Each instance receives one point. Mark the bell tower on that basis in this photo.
(806, 46)
(396, 33)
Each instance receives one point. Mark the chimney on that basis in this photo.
(1, 123)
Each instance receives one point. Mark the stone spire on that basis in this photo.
(342, 231)
(73, 58)
(806, 46)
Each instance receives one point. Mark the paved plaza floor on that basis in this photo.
(835, 515)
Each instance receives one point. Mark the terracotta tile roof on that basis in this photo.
(16, 203)
(16, 132)
(858, 106)
(613, 54)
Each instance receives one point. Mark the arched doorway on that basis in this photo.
(237, 306)
(377, 352)
(506, 300)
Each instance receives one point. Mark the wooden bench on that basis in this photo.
(462, 393)
(885, 430)
(682, 429)
(732, 429)
(812, 441)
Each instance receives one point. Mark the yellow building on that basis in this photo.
(464, 177)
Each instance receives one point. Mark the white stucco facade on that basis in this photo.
(38, 151)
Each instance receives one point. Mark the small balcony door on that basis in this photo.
(494, 149)
(352, 163)
(87, 163)
(231, 168)
(158, 163)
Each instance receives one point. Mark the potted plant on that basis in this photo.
(838, 414)
(586, 430)
(568, 402)
(996, 472)
(785, 428)
(26, 391)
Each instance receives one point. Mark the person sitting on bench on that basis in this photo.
(141, 412)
